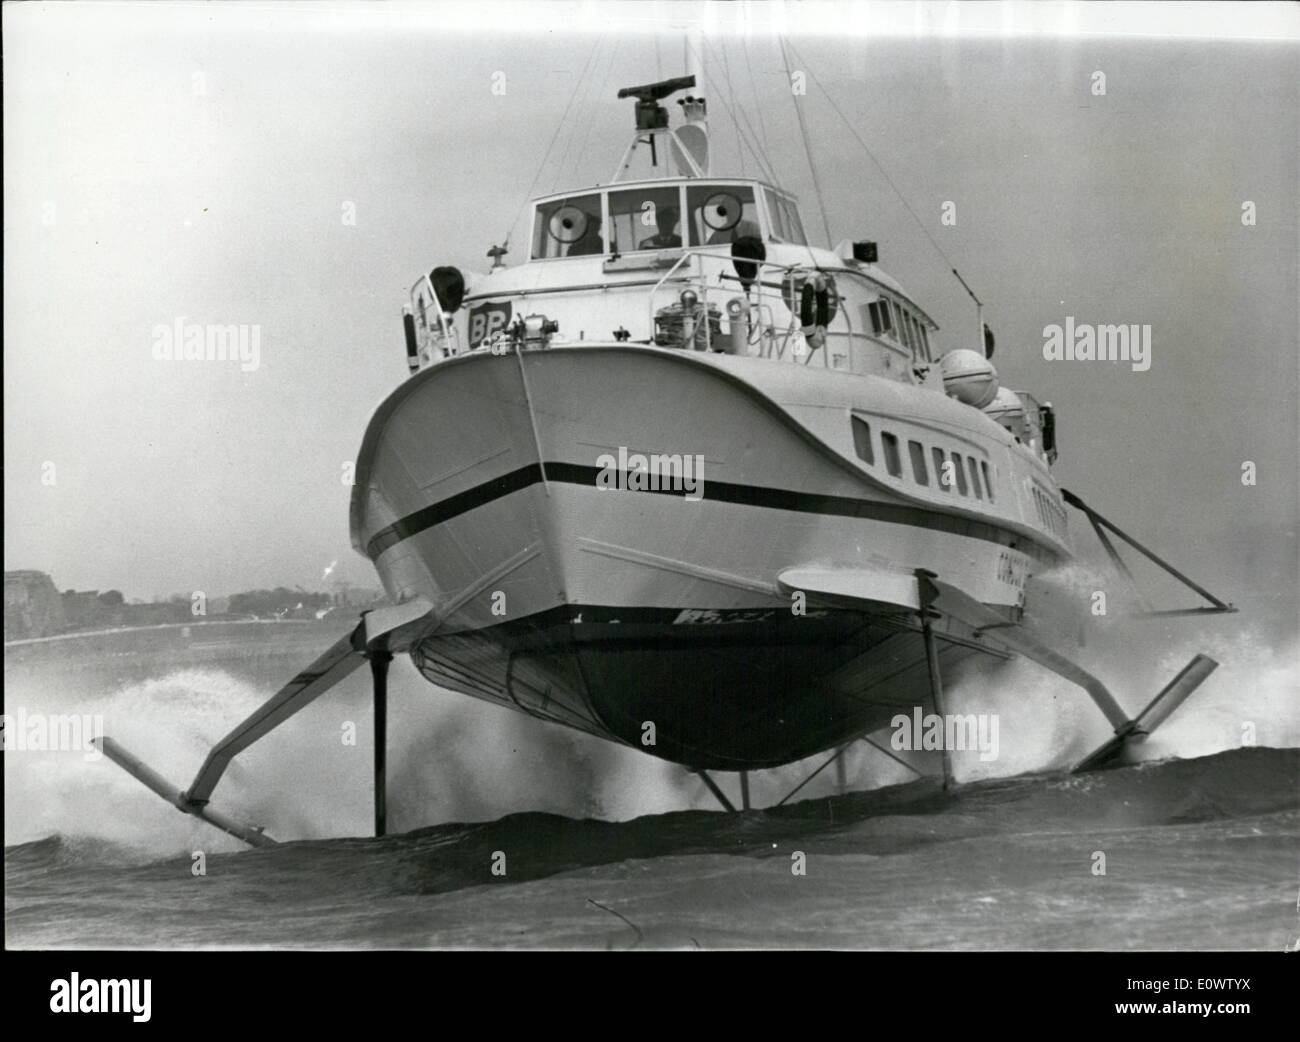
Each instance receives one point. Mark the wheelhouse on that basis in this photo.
(656, 215)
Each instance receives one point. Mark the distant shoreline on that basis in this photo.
(27, 641)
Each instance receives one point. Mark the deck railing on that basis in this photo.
(771, 323)
(773, 337)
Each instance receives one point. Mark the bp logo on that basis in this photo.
(486, 320)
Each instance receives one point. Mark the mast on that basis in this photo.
(694, 134)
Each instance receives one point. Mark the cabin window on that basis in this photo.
(938, 468)
(918, 345)
(720, 214)
(568, 228)
(879, 312)
(893, 462)
(925, 341)
(904, 333)
(1049, 512)
(917, 451)
(645, 219)
(862, 440)
(960, 472)
(974, 477)
(988, 485)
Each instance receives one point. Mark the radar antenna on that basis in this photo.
(650, 115)
(652, 121)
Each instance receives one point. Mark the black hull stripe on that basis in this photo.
(718, 491)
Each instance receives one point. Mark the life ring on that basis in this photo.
(814, 304)
(812, 295)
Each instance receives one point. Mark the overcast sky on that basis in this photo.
(195, 163)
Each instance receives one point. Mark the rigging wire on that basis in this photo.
(766, 162)
(753, 87)
(759, 157)
(807, 147)
(587, 102)
(528, 195)
(726, 74)
(600, 92)
(751, 138)
(590, 89)
(889, 180)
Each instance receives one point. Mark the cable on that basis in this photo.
(807, 147)
(883, 173)
(759, 158)
(528, 195)
(600, 92)
(758, 105)
(750, 139)
(731, 93)
(590, 88)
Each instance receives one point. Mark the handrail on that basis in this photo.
(787, 270)
(442, 317)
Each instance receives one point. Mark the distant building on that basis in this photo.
(347, 596)
(156, 614)
(82, 609)
(33, 607)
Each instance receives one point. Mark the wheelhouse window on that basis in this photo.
(568, 228)
(793, 223)
(784, 217)
(988, 485)
(645, 219)
(904, 329)
(720, 214)
(776, 214)
(881, 323)
(890, 317)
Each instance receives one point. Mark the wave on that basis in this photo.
(454, 759)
